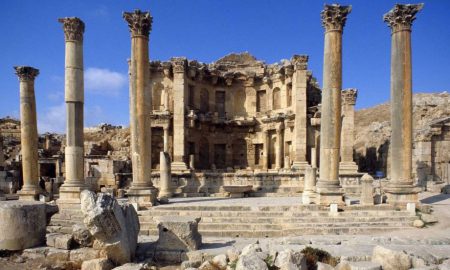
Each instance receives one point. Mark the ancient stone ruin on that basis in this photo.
(267, 153)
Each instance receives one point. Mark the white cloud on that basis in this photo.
(104, 81)
(53, 119)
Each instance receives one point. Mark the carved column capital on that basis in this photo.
(300, 62)
(73, 28)
(140, 23)
(179, 64)
(401, 16)
(26, 73)
(349, 96)
(334, 17)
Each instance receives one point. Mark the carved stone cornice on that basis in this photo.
(349, 96)
(334, 17)
(179, 64)
(73, 28)
(401, 16)
(140, 23)
(300, 62)
(26, 73)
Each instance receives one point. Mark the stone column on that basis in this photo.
(74, 97)
(279, 153)
(28, 133)
(347, 165)
(309, 187)
(400, 189)
(133, 126)
(315, 123)
(266, 147)
(142, 190)
(165, 176)
(366, 190)
(328, 186)
(299, 96)
(179, 111)
(166, 139)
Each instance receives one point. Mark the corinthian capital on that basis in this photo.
(73, 28)
(26, 73)
(140, 23)
(334, 16)
(349, 96)
(300, 62)
(179, 64)
(401, 16)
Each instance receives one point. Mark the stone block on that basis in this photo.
(78, 256)
(57, 256)
(391, 259)
(59, 240)
(333, 208)
(324, 266)
(288, 259)
(251, 261)
(411, 208)
(82, 236)
(178, 233)
(22, 224)
(428, 219)
(97, 264)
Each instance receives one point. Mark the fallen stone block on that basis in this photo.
(364, 266)
(251, 262)
(97, 264)
(428, 218)
(59, 240)
(78, 256)
(288, 259)
(418, 223)
(208, 266)
(82, 236)
(57, 256)
(233, 254)
(22, 224)
(324, 266)
(115, 227)
(220, 261)
(35, 253)
(131, 266)
(391, 259)
(178, 233)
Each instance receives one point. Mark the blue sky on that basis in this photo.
(206, 30)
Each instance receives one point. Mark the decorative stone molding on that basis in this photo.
(179, 64)
(401, 16)
(334, 17)
(349, 96)
(26, 73)
(300, 62)
(140, 23)
(73, 28)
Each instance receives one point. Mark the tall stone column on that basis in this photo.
(347, 165)
(179, 111)
(165, 177)
(74, 97)
(401, 189)
(133, 125)
(266, 147)
(29, 134)
(279, 153)
(166, 139)
(299, 94)
(328, 186)
(142, 190)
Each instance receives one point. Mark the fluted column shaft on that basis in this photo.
(266, 147)
(166, 139)
(29, 133)
(279, 153)
(347, 165)
(400, 20)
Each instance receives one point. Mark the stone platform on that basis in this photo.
(275, 217)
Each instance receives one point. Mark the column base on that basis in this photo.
(28, 195)
(348, 168)
(178, 166)
(329, 192)
(309, 197)
(70, 194)
(400, 195)
(165, 194)
(300, 165)
(144, 197)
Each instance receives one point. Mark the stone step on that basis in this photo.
(286, 232)
(270, 213)
(285, 220)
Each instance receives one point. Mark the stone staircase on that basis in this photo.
(261, 221)
(277, 221)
